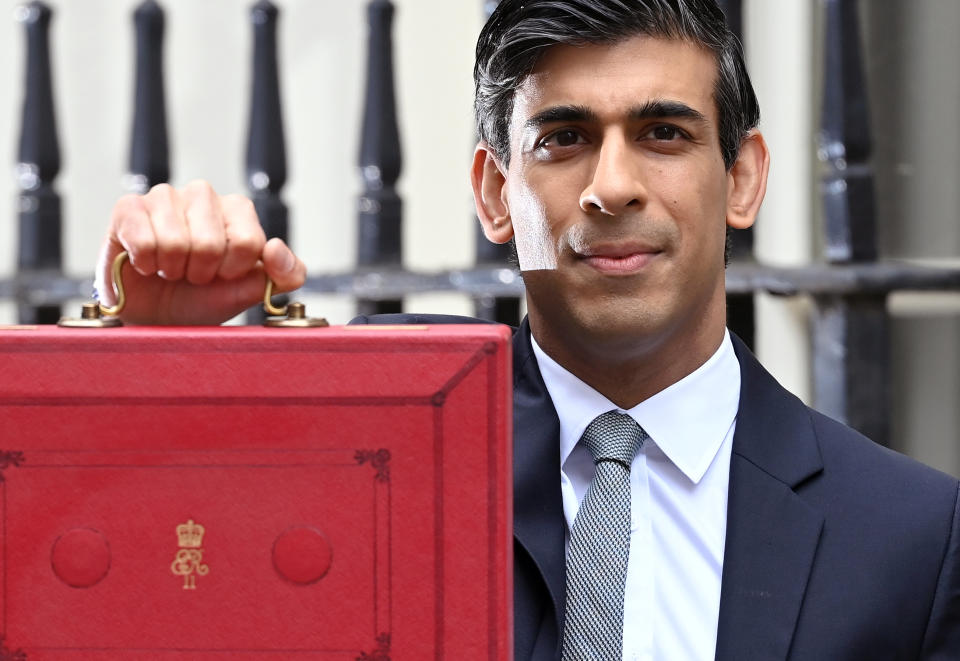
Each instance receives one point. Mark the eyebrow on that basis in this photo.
(656, 108)
(561, 114)
(653, 109)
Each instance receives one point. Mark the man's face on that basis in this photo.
(617, 195)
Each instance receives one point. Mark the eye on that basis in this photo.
(665, 133)
(561, 138)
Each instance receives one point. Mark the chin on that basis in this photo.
(617, 326)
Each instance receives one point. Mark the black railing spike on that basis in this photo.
(851, 367)
(38, 162)
(149, 147)
(39, 152)
(845, 115)
(845, 144)
(266, 148)
(266, 162)
(380, 208)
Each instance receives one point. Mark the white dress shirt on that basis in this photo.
(678, 484)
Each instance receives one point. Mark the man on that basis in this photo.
(618, 143)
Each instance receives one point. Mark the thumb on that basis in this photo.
(103, 279)
(286, 270)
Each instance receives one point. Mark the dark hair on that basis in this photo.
(520, 31)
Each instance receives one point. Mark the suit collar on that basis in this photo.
(774, 431)
(773, 427)
(772, 533)
(688, 421)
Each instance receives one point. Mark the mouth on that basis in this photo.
(623, 259)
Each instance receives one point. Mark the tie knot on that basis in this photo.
(614, 436)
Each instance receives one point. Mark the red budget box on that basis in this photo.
(338, 493)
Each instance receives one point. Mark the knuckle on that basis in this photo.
(127, 206)
(130, 201)
(247, 243)
(200, 187)
(161, 191)
(240, 206)
(160, 198)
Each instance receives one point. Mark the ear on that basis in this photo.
(747, 181)
(488, 179)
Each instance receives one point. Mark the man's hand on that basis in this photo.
(195, 257)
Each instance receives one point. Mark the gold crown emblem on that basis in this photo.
(190, 535)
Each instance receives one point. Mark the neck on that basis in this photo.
(630, 370)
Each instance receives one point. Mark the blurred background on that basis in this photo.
(859, 103)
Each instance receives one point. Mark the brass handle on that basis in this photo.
(293, 315)
(98, 315)
(272, 309)
(118, 290)
(117, 276)
(115, 271)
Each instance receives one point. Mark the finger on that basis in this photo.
(283, 267)
(132, 231)
(129, 230)
(244, 236)
(208, 239)
(248, 289)
(103, 280)
(170, 228)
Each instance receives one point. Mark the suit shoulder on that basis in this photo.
(851, 456)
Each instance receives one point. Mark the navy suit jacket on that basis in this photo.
(837, 549)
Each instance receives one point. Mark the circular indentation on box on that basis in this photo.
(302, 555)
(81, 557)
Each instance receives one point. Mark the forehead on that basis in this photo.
(612, 78)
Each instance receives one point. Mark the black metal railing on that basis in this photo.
(266, 160)
(851, 337)
(40, 223)
(849, 288)
(380, 210)
(149, 146)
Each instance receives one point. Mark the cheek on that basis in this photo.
(698, 201)
(536, 246)
(680, 180)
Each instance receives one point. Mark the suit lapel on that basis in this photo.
(539, 526)
(772, 534)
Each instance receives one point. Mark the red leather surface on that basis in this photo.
(353, 488)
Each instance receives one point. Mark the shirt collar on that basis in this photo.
(687, 420)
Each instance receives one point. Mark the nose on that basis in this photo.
(616, 184)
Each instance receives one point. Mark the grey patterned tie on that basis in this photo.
(600, 544)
